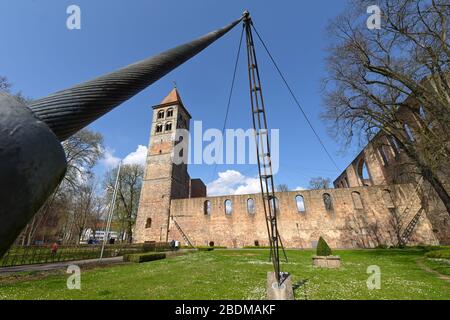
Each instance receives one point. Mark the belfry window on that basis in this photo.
(228, 207)
(300, 201)
(168, 126)
(161, 114)
(148, 224)
(159, 128)
(169, 113)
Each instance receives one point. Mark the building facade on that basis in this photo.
(366, 208)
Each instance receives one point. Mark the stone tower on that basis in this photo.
(163, 179)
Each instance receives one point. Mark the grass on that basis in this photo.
(238, 274)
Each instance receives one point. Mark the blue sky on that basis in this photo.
(40, 55)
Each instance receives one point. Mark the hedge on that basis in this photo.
(322, 248)
(256, 247)
(143, 257)
(205, 248)
(439, 254)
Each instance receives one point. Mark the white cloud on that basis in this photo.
(299, 189)
(137, 157)
(109, 160)
(233, 182)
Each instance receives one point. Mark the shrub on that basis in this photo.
(322, 248)
(205, 248)
(439, 254)
(258, 247)
(143, 257)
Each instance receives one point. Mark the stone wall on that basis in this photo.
(349, 224)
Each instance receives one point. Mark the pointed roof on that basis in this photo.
(173, 98)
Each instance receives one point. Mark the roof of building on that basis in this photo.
(173, 98)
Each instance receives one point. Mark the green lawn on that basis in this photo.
(238, 274)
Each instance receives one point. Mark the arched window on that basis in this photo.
(148, 224)
(383, 155)
(422, 113)
(207, 207)
(357, 202)
(250, 206)
(168, 126)
(300, 201)
(161, 114)
(159, 128)
(394, 145)
(409, 133)
(228, 207)
(363, 172)
(387, 196)
(327, 201)
(169, 113)
(274, 204)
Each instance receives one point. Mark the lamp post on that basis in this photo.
(110, 212)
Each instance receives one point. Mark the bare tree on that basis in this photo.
(129, 188)
(5, 86)
(394, 81)
(83, 150)
(319, 183)
(282, 188)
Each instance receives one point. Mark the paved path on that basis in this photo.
(58, 265)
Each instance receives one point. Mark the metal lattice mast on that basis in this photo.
(262, 148)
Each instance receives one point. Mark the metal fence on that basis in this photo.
(25, 255)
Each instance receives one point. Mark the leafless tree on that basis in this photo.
(282, 188)
(129, 188)
(395, 81)
(319, 183)
(83, 150)
(5, 86)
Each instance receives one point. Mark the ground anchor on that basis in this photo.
(276, 291)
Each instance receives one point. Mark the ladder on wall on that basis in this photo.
(185, 237)
(406, 235)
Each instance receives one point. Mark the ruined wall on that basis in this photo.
(349, 224)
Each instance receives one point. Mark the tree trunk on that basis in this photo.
(437, 185)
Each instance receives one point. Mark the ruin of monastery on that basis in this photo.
(373, 203)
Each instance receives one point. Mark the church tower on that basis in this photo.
(163, 179)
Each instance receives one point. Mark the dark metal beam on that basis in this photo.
(32, 161)
(70, 110)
